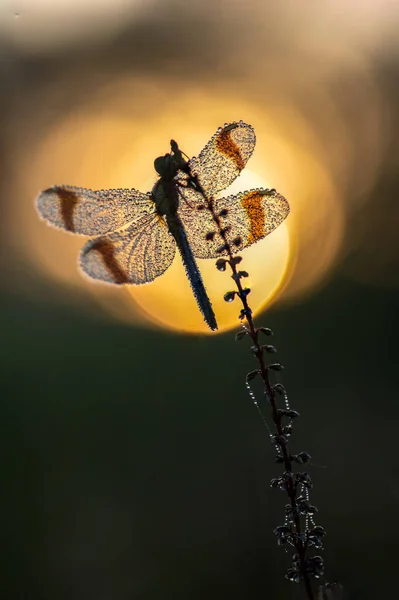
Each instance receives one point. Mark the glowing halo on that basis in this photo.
(110, 143)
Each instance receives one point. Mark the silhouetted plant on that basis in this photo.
(299, 529)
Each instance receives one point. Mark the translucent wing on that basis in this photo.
(89, 212)
(250, 216)
(224, 157)
(134, 255)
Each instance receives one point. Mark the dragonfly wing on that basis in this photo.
(138, 254)
(250, 216)
(196, 218)
(224, 157)
(91, 212)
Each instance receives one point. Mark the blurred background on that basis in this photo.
(134, 464)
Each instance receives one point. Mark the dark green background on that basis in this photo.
(135, 465)
(133, 462)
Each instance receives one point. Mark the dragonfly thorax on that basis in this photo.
(164, 193)
(165, 196)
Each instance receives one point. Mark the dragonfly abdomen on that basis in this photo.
(194, 276)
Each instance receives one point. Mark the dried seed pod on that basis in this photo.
(270, 349)
(229, 296)
(275, 367)
(252, 375)
(241, 334)
(221, 264)
(265, 330)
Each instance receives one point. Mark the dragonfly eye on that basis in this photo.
(162, 165)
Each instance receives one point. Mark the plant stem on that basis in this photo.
(300, 546)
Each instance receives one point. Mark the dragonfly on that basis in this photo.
(135, 234)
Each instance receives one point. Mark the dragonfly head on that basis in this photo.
(168, 165)
(163, 165)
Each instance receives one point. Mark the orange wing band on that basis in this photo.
(252, 203)
(227, 146)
